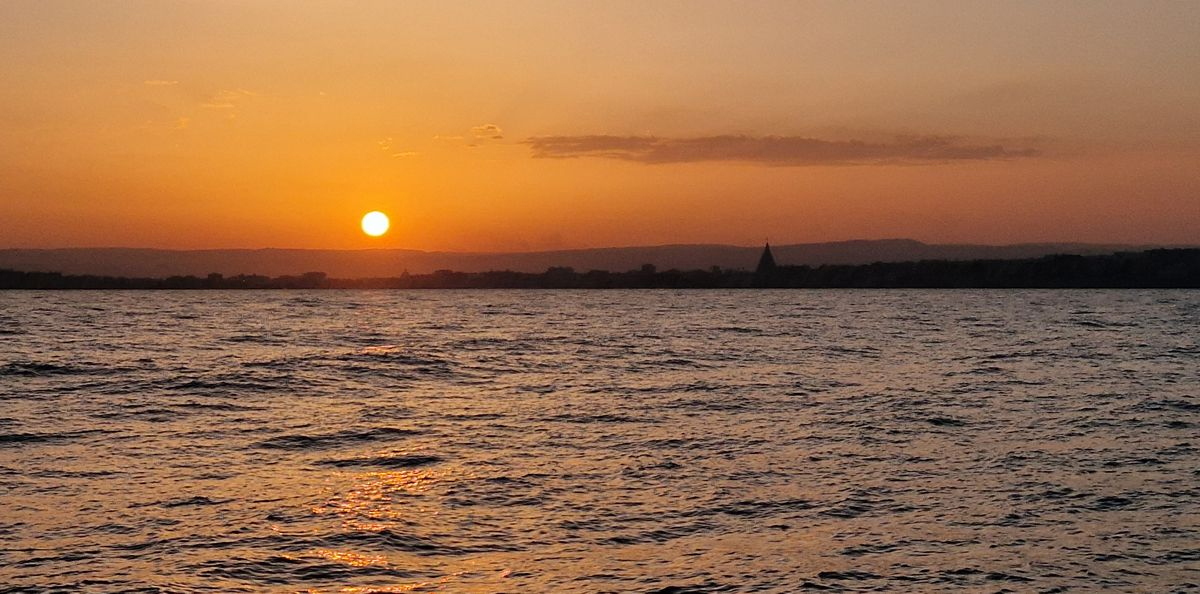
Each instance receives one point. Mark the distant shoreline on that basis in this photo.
(1156, 268)
(387, 263)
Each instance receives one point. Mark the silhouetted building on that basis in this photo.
(766, 262)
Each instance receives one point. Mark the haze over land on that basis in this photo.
(130, 262)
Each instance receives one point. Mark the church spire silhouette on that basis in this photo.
(766, 262)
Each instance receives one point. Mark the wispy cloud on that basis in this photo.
(491, 131)
(774, 150)
(160, 83)
(227, 98)
(387, 145)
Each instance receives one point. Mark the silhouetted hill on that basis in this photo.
(154, 263)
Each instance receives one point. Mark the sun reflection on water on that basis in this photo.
(351, 558)
(372, 492)
(430, 586)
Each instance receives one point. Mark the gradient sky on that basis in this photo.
(538, 125)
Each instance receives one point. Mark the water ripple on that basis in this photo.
(626, 441)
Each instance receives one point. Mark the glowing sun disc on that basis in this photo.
(375, 223)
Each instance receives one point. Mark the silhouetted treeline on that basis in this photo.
(1163, 268)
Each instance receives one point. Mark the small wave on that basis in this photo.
(198, 500)
(697, 386)
(74, 474)
(598, 418)
(641, 469)
(226, 386)
(867, 352)
(392, 412)
(1056, 494)
(290, 569)
(660, 535)
(398, 461)
(1181, 555)
(1015, 355)
(848, 575)
(1185, 350)
(394, 540)
(945, 421)
(391, 354)
(872, 549)
(821, 386)
(963, 571)
(1170, 405)
(18, 439)
(983, 370)
(703, 588)
(495, 499)
(1178, 449)
(1110, 502)
(1133, 461)
(863, 503)
(330, 440)
(63, 559)
(112, 528)
(758, 509)
(257, 339)
(222, 406)
(668, 363)
(709, 405)
(740, 330)
(151, 414)
(38, 369)
(474, 416)
(997, 576)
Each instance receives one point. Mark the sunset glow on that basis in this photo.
(599, 296)
(545, 125)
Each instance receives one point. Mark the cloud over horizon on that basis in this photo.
(773, 150)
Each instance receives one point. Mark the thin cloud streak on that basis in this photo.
(490, 131)
(227, 98)
(773, 150)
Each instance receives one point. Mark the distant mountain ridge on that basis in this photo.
(157, 263)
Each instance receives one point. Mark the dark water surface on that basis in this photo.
(642, 441)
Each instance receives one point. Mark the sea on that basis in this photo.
(649, 441)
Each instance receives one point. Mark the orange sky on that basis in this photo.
(535, 125)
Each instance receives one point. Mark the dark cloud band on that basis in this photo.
(771, 150)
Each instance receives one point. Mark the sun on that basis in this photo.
(375, 223)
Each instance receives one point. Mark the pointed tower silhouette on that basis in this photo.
(766, 262)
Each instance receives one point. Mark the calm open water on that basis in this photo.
(640, 441)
